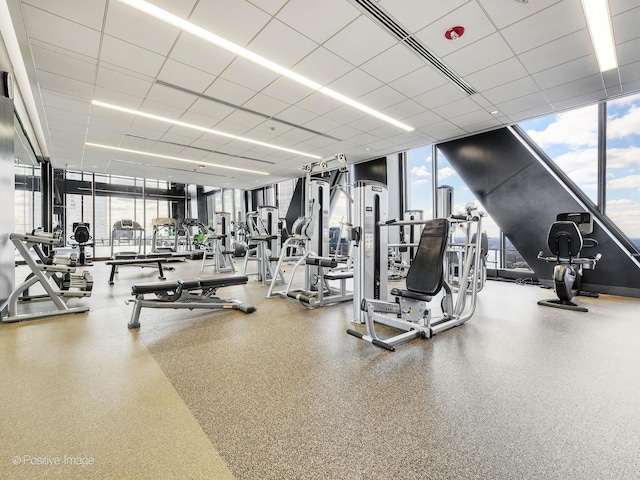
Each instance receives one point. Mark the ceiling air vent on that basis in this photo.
(395, 29)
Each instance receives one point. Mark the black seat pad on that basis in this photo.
(396, 292)
(565, 239)
(426, 274)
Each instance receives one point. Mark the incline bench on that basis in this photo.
(199, 293)
(136, 262)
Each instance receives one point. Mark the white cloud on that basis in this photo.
(623, 202)
(446, 172)
(422, 182)
(623, 157)
(577, 128)
(421, 171)
(630, 181)
(620, 127)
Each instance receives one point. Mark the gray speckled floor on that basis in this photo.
(519, 392)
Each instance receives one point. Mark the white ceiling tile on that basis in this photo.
(236, 20)
(269, 6)
(65, 65)
(367, 124)
(344, 132)
(199, 54)
(318, 103)
(482, 101)
(286, 90)
(404, 109)
(518, 88)
(185, 76)
(297, 115)
(270, 40)
(521, 104)
(162, 109)
(419, 81)
(545, 26)
(416, 14)
(133, 26)
(580, 100)
(69, 86)
(618, 6)
(440, 96)
(506, 13)
(479, 55)
(65, 102)
(567, 72)
(170, 96)
(116, 80)
(631, 86)
(240, 119)
(474, 118)
(322, 66)
(557, 52)
(345, 114)
(496, 75)
(317, 20)
(625, 25)
(360, 41)
(249, 75)
(229, 92)
(381, 98)
(67, 116)
(89, 13)
(61, 32)
(445, 129)
(424, 119)
(457, 108)
(206, 112)
(628, 52)
(355, 83)
(393, 63)
(630, 73)
(481, 126)
(470, 15)
(573, 89)
(129, 56)
(118, 98)
(266, 104)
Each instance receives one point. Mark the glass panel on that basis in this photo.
(227, 200)
(571, 140)
(623, 165)
(421, 181)
(285, 194)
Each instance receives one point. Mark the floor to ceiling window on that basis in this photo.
(623, 165)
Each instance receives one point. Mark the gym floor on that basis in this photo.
(520, 391)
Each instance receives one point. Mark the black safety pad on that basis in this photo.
(426, 273)
(322, 261)
(223, 281)
(154, 288)
(396, 292)
(134, 261)
(565, 239)
(338, 275)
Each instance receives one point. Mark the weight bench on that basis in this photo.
(199, 293)
(137, 262)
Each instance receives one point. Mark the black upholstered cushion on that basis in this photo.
(564, 239)
(425, 275)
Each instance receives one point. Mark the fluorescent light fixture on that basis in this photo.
(599, 23)
(210, 37)
(186, 160)
(138, 113)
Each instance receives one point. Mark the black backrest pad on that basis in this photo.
(426, 272)
(564, 239)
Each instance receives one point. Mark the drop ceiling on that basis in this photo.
(522, 60)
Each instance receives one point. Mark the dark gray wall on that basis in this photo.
(524, 197)
(7, 188)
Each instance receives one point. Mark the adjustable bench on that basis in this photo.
(137, 262)
(199, 293)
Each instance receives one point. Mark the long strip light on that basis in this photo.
(599, 23)
(139, 113)
(186, 160)
(210, 37)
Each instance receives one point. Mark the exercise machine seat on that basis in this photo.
(426, 274)
(565, 240)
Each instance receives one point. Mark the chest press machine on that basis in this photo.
(425, 279)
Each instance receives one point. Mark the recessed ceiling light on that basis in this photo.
(599, 23)
(186, 160)
(198, 127)
(367, 148)
(494, 112)
(211, 37)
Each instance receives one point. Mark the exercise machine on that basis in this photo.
(190, 237)
(199, 293)
(54, 273)
(218, 245)
(401, 254)
(310, 238)
(425, 279)
(128, 233)
(566, 239)
(264, 243)
(82, 238)
(165, 235)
